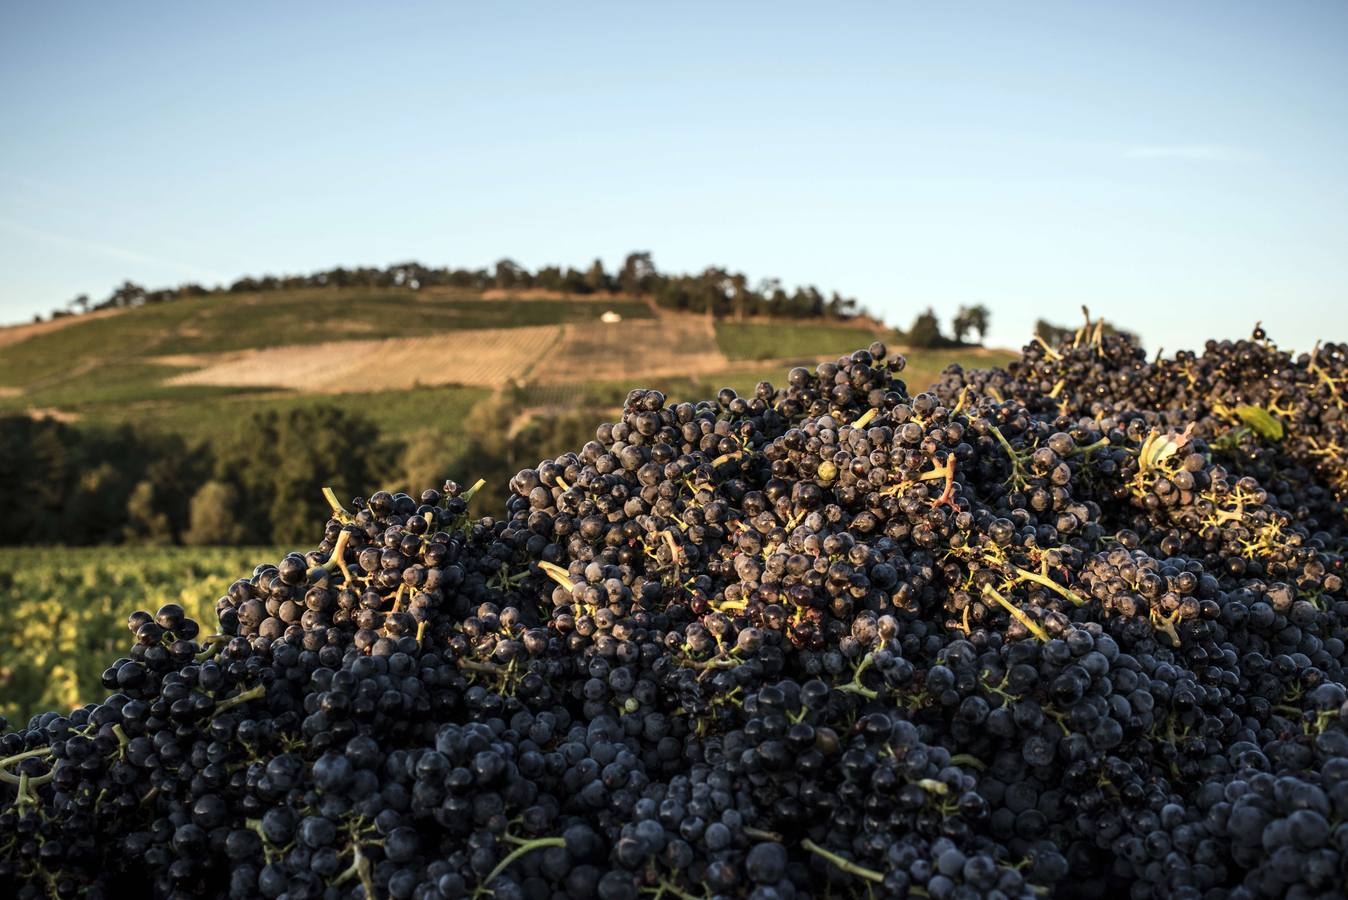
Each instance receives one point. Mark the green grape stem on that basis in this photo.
(965, 759)
(359, 868)
(1051, 585)
(477, 486)
(212, 646)
(526, 847)
(843, 863)
(253, 693)
(338, 511)
(1030, 625)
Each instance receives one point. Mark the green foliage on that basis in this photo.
(214, 516)
(499, 443)
(1261, 422)
(146, 522)
(716, 290)
(971, 318)
(77, 486)
(281, 462)
(926, 331)
(65, 612)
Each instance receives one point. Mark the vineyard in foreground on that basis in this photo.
(64, 611)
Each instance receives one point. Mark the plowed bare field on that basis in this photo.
(483, 357)
(670, 345)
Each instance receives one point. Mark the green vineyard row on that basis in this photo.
(63, 612)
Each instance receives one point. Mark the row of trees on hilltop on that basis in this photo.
(715, 290)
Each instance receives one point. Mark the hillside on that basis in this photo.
(199, 366)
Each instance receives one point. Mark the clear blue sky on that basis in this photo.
(1178, 167)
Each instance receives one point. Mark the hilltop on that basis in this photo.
(198, 365)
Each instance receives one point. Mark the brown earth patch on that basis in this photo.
(633, 348)
(49, 412)
(485, 357)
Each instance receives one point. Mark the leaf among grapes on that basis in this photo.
(1261, 422)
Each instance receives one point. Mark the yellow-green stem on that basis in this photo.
(253, 693)
(558, 574)
(1050, 584)
(338, 511)
(843, 863)
(477, 486)
(1020, 617)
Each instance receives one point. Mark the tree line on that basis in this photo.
(83, 486)
(926, 331)
(715, 290)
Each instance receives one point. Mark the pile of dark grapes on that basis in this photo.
(1072, 628)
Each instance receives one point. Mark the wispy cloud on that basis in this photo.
(125, 254)
(1190, 152)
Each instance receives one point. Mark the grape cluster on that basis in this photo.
(1073, 628)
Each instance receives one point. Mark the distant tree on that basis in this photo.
(637, 271)
(96, 511)
(81, 302)
(280, 463)
(596, 279)
(128, 294)
(146, 523)
(960, 325)
(840, 307)
(739, 289)
(550, 279)
(509, 274)
(714, 290)
(429, 456)
(214, 516)
(979, 318)
(815, 301)
(573, 281)
(925, 331)
(1051, 334)
(971, 318)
